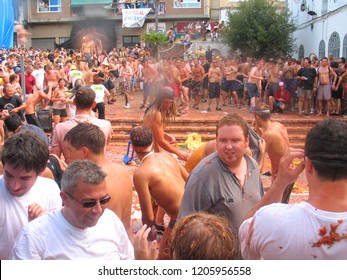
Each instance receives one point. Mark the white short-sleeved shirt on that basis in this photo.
(99, 92)
(14, 210)
(294, 232)
(52, 237)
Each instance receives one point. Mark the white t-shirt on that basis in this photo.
(294, 232)
(52, 237)
(99, 92)
(14, 210)
(39, 75)
(74, 75)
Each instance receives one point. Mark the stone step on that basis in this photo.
(296, 140)
(202, 128)
(297, 129)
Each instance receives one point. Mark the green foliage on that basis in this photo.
(155, 41)
(257, 29)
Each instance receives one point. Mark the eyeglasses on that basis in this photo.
(91, 202)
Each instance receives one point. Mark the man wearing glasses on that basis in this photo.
(83, 228)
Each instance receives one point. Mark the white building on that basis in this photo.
(321, 27)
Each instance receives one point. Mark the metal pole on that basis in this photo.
(21, 61)
(156, 15)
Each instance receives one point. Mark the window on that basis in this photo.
(324, 7)
(301, 52)
(321, 50)
(130, 41)
(334, 45)
(43, 43)
(49, 5)
(344, 48)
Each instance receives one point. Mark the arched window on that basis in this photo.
(301, 52)
(344, 47)
(334, 45)
(321, 49)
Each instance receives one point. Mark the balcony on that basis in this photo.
(107, 8)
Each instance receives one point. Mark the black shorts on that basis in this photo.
(214, 90)
(60, 112)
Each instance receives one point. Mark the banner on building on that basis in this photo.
(190, 4)
(150, 27)
(134, 17)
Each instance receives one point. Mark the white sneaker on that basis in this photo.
(127, 106)
(312, 111)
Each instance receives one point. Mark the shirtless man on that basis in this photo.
(50, 76)
(126, 73)
(274, 134)
(87, 141)
(244, 69)
(157, 116)
(289, 72)
(134, 64)
(325, 72)
(214, 78)
(273, 80)
(160, 178)
(231, 84)
(254, 84)
(38, 97)
(185, 79)
(198, 75)
(175, 82)
(150, 76)
(87, 48)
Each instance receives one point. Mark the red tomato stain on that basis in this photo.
(331, 237)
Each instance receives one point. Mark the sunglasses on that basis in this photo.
(91, 202)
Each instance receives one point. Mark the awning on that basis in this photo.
(90, 2)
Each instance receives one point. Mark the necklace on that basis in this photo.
(150, 153)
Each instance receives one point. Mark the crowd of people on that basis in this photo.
(61, 199)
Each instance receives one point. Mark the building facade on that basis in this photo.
(321, 27)
(52, 22)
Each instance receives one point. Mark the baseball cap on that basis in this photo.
(166, 93)
(73, 67)
(281, 84)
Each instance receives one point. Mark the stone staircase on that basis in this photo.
(176, 51)
(297, 129)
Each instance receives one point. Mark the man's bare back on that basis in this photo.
(162, 178)
(119, 187)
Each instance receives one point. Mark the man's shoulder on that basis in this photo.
(280, 211)
(207, 163)
(100, 122)
(45, 185)
(64, 126)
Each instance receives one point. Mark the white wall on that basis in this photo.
(312, 29)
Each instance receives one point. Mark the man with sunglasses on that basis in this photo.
(24, 194)
(87, 141)
(83, 229)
